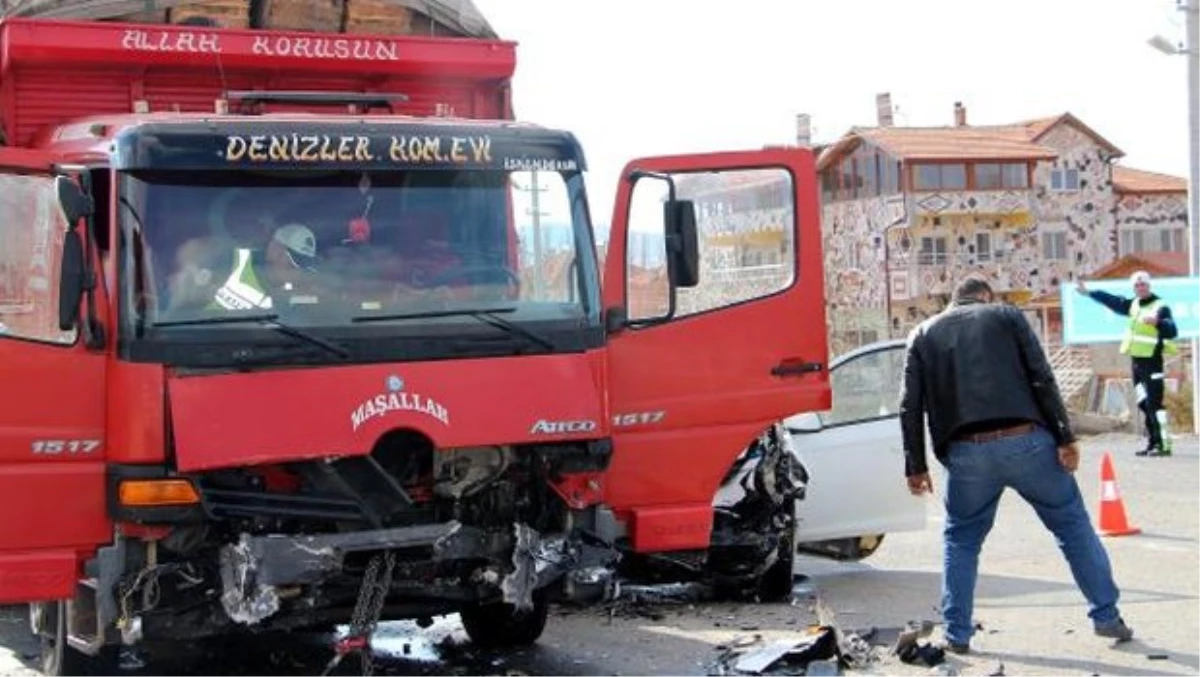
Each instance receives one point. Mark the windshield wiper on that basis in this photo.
(485, 315)
(268, 320)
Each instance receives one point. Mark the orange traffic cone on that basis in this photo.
(1112, 508)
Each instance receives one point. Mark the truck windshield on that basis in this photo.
(350, 256)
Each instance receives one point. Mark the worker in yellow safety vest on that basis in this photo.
(293, 248)
(1148, 338)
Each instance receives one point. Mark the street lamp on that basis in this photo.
(1191, 49)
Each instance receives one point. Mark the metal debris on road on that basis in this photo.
(791, 656)
(639, 601)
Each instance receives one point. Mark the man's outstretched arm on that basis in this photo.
(1118, 304)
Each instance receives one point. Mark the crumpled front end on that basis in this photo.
(288, 546)
(258, 573)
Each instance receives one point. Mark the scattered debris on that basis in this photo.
(792, 656)
(802, 586)
(923, 653)
(913, 652)
(910, 634)
(946, 670)
(997, 670)
(758, 661)
(1158, 656)
(638, 601)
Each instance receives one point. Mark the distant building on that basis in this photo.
(907, 211)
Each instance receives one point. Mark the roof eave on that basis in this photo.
(963, 157)
(1149, 191)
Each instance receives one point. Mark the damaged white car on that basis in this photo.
(852, 460)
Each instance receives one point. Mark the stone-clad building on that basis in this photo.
(908, 210)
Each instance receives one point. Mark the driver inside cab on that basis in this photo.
(289, 272)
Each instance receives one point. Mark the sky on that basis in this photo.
(636, 78)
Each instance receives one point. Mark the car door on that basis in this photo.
(854, 452)
(696, 373)
(52, 471)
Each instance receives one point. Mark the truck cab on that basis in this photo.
(271, 346)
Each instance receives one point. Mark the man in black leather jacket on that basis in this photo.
(997, 420)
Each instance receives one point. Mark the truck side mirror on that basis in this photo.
(683, 246)
(70, 286)
(74, 202)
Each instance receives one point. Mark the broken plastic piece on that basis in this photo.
(927, 654)
(819, 644)
(348, 644)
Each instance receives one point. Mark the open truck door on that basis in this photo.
(714, 304)
(52, 474)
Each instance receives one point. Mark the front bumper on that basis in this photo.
(509, 564)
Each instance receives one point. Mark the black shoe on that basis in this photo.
(955, 647)
(1149, 451)
(1115, 629)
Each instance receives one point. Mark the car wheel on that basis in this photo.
(501, 626)
(867, 545)
(853, 549)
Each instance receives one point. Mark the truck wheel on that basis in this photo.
(498, 626)
(49, 623)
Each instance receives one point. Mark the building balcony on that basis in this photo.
(921, 274)
(1007, 204)
(920, 261)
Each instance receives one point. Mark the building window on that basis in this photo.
(867, 169)
(846, 188)
(1064, 179)
(983, 247)
(940, 177)
(891, 175)
(1172, 240)
(988, 176)
(1054, 245)
(829, 186)
(1016, 175)
(997, 176)
(1152, 240)
(933, 251)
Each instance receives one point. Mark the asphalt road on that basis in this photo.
(1033, 618)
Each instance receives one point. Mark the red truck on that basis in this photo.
(274, 355)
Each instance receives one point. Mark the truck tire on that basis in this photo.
(499, 626)
(57, 658)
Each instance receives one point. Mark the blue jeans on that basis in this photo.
(976, 476)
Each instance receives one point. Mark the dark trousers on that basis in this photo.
(1148, 373)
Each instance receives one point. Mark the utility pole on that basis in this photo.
(1191, 50)
(535, 189)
